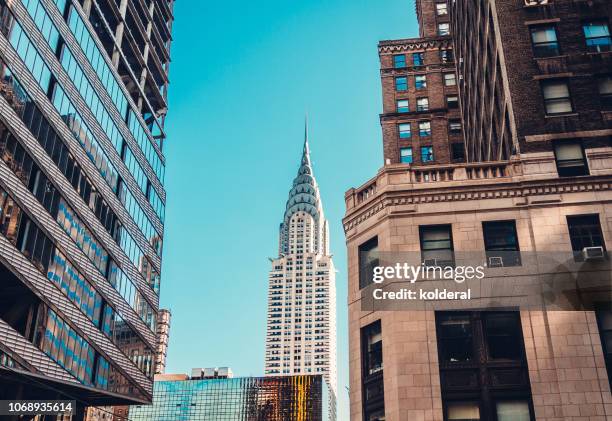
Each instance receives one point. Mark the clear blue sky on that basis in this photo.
(243, 74)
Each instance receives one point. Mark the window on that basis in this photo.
(584, 231)
(452, 101)
(368, 259)
(436, 245)
(399, 61)
(422, 104)
(404, 130)
(544, 41)
(441, 9)
(604, 86)
(481, 358)
(597, 36)
(420, 81)
(446, 56)
(401, 83)
(501, 243)
(513, 411)
(463, 411)
(418, 59)
(450, 79)
(406, 155)
(604, 320)
(570, 159)
(556, 97)
(454, 126)
(427, 154)
(403, 106)
(372, 372)
(443, 29)
(424, 128)
(458, 152)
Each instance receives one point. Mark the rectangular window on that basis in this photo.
(372, 372)
(483, 369)
(404, 130)
(544, 41)
(422, 104)
(424, 128)
(501, 243)
(368, 260)
(399, 61)
(441, 9)
(427, 154)
(604, 87)
(401, 83)
(570, 159)
(454, 126)
(418, 59)
(458, 152)
(556, 97)
(584, 231)
(403, 106)
(443, 29)
(597, 36)
(406, 155)
(604, 321)
(452, 101)
(446, 56)
(436, 245)
(450, 79)
(420, 81)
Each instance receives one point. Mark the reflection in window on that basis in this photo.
(420, 81)
(406, 155)
(463, 411)
(436, 244)
(424, 128)
(597, 36)
(544, 40)
(368, 259)
(402, 106)
(501, 243)
(372, 372)
(513, 411)
(556, 97)
(427, 154)
(404, 130)
(401, 83)
(399, 61)
(570, 159)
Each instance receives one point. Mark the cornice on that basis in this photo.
(402, 45)
(495, 190)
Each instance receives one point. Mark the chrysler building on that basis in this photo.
(301, 334)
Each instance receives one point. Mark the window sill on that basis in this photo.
(561, 115)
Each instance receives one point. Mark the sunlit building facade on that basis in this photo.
(245, 398)
(82, 107)
(301, 335)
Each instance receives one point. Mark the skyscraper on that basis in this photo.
(83, 88)
(301, 334)
(532, 83)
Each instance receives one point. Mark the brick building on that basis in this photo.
(534, 90)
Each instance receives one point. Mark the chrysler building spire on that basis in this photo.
(301, 335)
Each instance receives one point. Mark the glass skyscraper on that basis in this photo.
(82, 108)
(289, 398)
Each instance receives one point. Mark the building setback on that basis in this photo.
(301, 334)
(220, 397)
(83, 98)
(534, 84)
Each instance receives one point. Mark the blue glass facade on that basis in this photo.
(82, 200)
(284, 398)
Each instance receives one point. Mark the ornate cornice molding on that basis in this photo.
(398, 46)
(499, 190)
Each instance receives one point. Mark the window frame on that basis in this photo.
(547, 101)
(368, 246)
(409, 148)
(402, 110)
(535, 45)
(597, 49)
(396, 61)
(561, 171)
(510, 256)
(401, 133)
(404, 84)
(451, 249)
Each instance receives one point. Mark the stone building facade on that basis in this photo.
(537, 182)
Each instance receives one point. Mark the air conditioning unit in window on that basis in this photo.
(430, 262)
(496, 262)
(593, 253)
